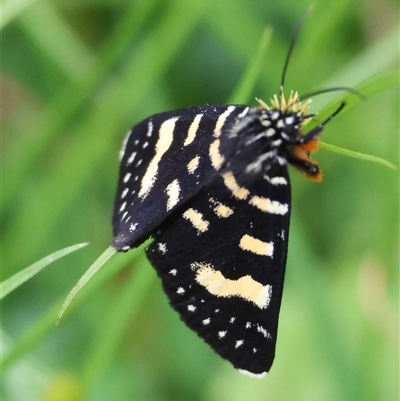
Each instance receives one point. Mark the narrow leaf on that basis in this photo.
(93, 269)
(357, 155)
(24, 275)
(243, 90)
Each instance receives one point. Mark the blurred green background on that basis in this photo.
(76, 75)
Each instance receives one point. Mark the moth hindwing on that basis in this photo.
(210, 185)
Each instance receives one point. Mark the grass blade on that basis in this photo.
(243, 90)
(121, 313)
(357, 155)
(93, 269)
(368, 88)
(43, 327)
(24, 275)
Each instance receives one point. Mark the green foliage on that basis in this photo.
(76, 76)
(24, 275)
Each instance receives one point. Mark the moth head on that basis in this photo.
(269, 137)
(288, 117)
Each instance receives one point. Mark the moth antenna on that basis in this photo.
(334, 89)
(315, 131)
(291, 47)
(335, 113)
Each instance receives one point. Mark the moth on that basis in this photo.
(210, 185)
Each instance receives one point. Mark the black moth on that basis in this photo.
(210, 185)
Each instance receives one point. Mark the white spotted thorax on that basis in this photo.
(259, 140)
(210, 185)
